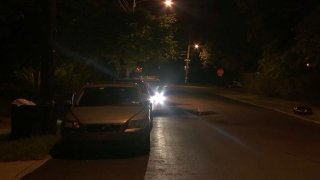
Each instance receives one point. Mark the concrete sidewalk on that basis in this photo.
(16, 169)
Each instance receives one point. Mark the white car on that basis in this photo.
(111, 111)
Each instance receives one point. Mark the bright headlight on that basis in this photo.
(158, 98)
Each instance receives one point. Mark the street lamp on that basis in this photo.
(167, 3)
(196, 46)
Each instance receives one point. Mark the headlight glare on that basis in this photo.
(158, 98)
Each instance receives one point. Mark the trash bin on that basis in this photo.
(29, 119)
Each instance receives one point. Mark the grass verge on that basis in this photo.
(33, 148)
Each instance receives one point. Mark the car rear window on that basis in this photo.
(105, 96)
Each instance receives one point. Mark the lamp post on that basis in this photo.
(196, 46)
(46, 85)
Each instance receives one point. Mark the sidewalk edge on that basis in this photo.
(32, 167)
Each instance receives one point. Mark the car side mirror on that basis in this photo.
(73, 98)
(68, 102)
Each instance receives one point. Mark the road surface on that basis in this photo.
(203, 136)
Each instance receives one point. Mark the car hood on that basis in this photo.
(105, 114)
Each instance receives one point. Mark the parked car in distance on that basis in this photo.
(235, 84)
(154, 84)
(302, 110)
(114, 111)
(156, 89)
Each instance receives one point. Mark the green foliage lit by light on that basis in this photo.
(151, 39)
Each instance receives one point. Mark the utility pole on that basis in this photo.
(196, 46)
(46, 86)
(187, 64)
(134, 5)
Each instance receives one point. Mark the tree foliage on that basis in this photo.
(89, 34)
(281, 30)
(225, 28)
(102, 29)
(286, 34)
(151, 39)
(307, 39)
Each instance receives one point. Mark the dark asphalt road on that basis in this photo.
(230, 141)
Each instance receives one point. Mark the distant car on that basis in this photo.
(234, 84)
(154, 85)
(156, 89)
(302, 110)
(109, 111)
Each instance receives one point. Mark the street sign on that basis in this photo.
(220, 72)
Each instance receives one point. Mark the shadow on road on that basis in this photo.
(94, 150)
(179, 110)
(92, 161)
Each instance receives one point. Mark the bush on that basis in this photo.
(310, 87)
(305, 88)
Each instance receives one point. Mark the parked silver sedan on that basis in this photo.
(110, 111)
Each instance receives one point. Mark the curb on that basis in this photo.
(248, 102)
(273, 109)
(32, 167)
(284, 112)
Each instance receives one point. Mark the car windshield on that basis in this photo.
(106, 96)
(154, 85)
(141, 84)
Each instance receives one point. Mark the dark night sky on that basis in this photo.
(218, 22)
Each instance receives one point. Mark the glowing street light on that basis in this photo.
(168, 3)
(125, 5)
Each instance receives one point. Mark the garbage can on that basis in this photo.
(29, 119)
